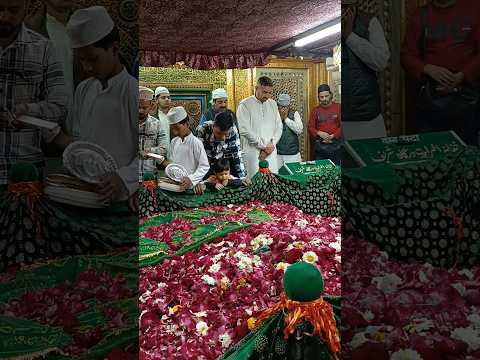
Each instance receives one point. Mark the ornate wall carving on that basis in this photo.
(194, 103)
(171, 76)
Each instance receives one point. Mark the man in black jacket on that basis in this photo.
(364, 53)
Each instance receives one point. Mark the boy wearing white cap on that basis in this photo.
(186, 150)
(219, 104)
(164, 103)
(105, 109)
(151, 137)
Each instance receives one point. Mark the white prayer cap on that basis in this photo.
(283, 100)
(145, 93)
(161, 90)
(176, 114)
(219, 94)
(89, 25)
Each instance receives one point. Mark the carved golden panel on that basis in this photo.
(242, 86)
(172, 76)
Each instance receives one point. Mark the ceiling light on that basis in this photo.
(321, 34)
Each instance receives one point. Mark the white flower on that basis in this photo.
(301, 223)
(336, 245)
(358, 340)
(474, 319)
(422, 277)
(257, 261)
(245, 264)
(419, 326)
(209, 280)
(217, 257)
(261, 241)
(469, 335)
(225, 340)
(467, 273)
(282, 266)
(460, 288)
(145, 296)
(214, 268)
(200, 314)
(202, 328)
(230, 206)
(295, 245)
(407, 354)
(249, 312)
(294, 237)
(368, 315)
(387, 283)
(242, 246)
(338, 258)
(310, 257)
(239, 255)
(171, 328)
(161, 285)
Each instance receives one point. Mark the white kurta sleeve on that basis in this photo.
(129, 176)
(203, 164)
(296, 124)
(129, 173)
(246, 128)
(73, 117)
(374, 52)
(278, 126)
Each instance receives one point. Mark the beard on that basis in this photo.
(142, 117)
(8, 30)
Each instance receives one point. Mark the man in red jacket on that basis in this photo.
(442, 47)
(325, 126)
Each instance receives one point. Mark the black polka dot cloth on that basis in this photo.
(433, 217)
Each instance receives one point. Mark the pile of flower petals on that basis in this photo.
(197, 305)
(395, 310)
(62, 304)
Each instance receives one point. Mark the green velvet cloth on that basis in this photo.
(29, 339)
(152, 251)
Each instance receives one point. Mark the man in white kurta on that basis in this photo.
(56, 20)
(260, 127)
(164, 102)
(105, 109)
(186, 149)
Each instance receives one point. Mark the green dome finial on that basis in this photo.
(303, 282)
